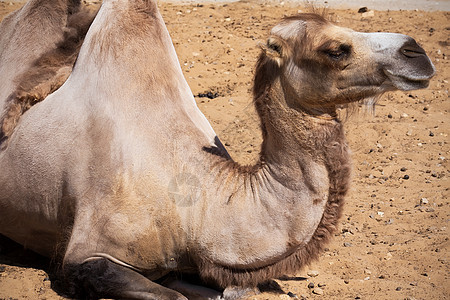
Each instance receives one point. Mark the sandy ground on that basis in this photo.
(393, 241)
(427, 5)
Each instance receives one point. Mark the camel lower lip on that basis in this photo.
(393, 76)
(408, 83)
(414, 80)
(415, 84)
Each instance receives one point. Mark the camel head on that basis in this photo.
(320, 64)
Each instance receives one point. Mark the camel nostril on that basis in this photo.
(411, 53)
(412, 50)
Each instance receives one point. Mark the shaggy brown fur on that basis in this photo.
(48, 73)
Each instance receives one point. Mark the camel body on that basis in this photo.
(119, 176)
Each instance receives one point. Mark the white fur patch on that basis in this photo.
(383, 42)
(289, 29)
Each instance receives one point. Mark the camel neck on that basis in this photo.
(294, 196)
(294, 136)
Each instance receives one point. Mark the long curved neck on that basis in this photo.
(292, 199)
(294, 138)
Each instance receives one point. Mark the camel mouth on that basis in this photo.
(364, 89)
(407, 83)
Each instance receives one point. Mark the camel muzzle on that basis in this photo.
(404, 62)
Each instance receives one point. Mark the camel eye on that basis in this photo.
(338, 54)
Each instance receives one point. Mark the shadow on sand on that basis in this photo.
(14, 254)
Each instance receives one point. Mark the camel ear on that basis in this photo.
(276, 49)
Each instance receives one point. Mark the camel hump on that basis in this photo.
(47, 73)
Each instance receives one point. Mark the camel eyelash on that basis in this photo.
(339, 53)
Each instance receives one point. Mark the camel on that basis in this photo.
(120, 178)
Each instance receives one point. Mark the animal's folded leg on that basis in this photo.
(102, 278)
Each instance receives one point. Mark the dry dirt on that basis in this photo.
(393, 241)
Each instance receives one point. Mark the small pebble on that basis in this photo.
(370, 13)
(346, 281)
(363, 10)
(310, 285)
(346, 244)
(312, 273)
(406, 177)
(318, 291)
(423, 201)
(398, 289)
(389, 116)
(403, 169)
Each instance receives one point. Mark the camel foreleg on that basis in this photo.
(102, 278)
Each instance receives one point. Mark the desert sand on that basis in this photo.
(393, 240)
